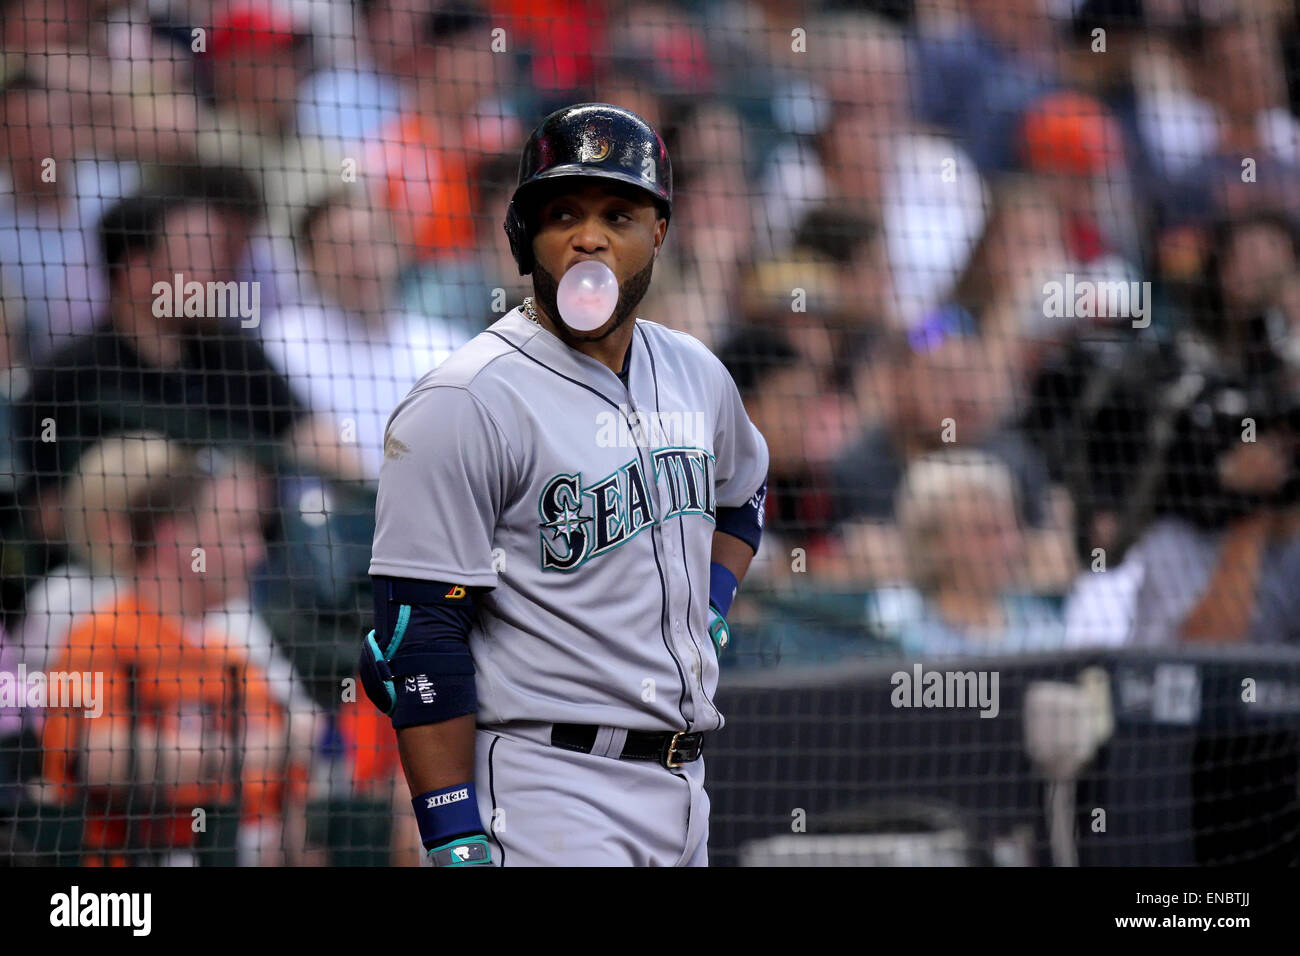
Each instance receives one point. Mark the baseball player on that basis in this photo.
(563, 520)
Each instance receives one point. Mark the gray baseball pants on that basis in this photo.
(547, 806)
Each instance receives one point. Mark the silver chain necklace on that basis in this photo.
(530, 311)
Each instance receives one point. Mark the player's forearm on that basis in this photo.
(439, 755)
(737, 532)
(732, 553)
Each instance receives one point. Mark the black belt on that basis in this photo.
(672, 749)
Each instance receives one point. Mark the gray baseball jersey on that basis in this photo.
(588, 507)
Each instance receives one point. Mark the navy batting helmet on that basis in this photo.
(588, 141)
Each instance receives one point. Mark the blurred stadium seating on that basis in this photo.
(1011, 288)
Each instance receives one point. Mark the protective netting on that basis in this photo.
(1010, 287)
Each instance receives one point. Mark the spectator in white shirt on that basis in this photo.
(51, 199)
(355, 354)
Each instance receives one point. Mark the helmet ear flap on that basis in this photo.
(521, 246)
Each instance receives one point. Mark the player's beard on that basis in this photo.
(630, 293)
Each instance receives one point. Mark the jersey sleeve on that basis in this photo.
(739, 447)
(446, 476)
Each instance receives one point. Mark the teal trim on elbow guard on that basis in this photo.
(399, 631)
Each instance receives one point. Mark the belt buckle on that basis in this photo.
(670, 750)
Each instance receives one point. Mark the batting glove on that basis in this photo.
(470, 850)
(718, 630)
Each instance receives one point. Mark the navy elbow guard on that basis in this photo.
(415, 666)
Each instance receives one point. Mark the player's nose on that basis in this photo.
(589, 236)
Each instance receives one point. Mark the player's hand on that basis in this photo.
(471, 849)
(719, 631)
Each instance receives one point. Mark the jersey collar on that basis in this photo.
(547, 347)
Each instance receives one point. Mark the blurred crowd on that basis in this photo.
(1011, 287)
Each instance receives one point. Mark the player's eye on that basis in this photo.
(557, 213)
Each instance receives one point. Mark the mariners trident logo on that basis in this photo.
(582, 522)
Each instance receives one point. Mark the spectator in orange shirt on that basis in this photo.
(188, 722)
(457, 118)
(370, 750)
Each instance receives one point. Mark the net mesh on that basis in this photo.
(1010, 289)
